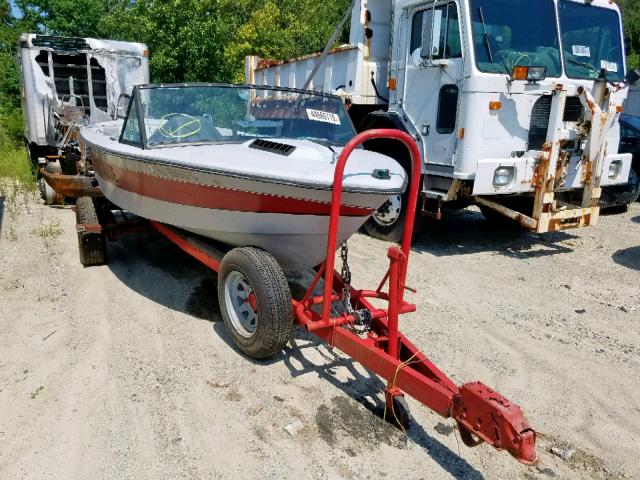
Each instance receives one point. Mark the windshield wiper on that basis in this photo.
(325, 143)
(320, 141)
(487, 42)
(588, 66)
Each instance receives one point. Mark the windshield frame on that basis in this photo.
(145, 145)
(620, 38)
(473, 8)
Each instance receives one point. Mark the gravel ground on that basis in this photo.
(125, 370)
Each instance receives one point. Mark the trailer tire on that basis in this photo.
(48, 194)
(255, 301)
(92, 246)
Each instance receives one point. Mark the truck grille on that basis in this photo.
(573, 112)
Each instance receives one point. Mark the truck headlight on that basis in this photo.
(503, 176)
(615, 167)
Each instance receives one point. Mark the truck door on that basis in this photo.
(433, 77)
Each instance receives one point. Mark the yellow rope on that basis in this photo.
(400, 366)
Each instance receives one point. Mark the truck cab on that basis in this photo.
(514, 103)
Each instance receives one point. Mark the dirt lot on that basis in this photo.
(125, 371)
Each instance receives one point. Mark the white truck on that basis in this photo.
(69, 82)
(514, 103)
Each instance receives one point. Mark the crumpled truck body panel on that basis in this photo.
(87, 72)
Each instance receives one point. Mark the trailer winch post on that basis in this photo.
(336, 199)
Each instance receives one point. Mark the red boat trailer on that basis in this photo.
(482, 415)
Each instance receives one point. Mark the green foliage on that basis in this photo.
(64, 17)
(14, 164)
(207, 40)
(631, 20)
(279, 30)
(10, 116)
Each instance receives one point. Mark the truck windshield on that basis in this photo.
(591, 41)
(508, 33)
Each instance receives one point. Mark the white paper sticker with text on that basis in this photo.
(609, 66)
(581, 50)
(320, 116)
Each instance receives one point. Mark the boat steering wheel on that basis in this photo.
(190, 127)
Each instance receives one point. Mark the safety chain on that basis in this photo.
(345, 276)
(363, 318)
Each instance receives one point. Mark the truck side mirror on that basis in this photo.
(632, 77)
(431, 25)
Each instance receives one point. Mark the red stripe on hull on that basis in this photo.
(209, 196)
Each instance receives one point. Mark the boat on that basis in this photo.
(243, 165)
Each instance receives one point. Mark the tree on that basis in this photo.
(631, 21)
(75, 18)
(284, 30)
(10, 117)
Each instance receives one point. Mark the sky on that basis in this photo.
(14, 10)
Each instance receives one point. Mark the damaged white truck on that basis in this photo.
(514, 103)
(67, 83)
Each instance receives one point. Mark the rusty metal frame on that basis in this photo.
(550, 214)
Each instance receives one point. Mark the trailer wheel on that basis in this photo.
(92, 246)
(255, 301)
(48, 194)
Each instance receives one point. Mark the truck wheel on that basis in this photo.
(255, 301)
(617, 198)
(387, 223)
(91, 245)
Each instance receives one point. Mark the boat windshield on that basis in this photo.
(508, 33)
(591, 41)
(196, 114)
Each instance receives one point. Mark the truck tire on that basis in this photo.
(387, 223)
(255, 301)
(92, 246)
(618, 198)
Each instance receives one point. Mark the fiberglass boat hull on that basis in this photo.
(290, 221)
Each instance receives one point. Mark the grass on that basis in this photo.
(14, 165)
(17, 183)
(49, 230)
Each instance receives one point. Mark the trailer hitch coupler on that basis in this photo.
(484, 415)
